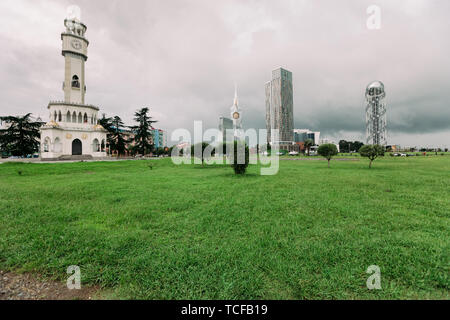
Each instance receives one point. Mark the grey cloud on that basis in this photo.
(182, 58)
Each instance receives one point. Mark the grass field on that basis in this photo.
(187, 232)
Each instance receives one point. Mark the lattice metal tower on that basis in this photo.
(376, 114)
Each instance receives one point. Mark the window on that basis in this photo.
(46, 144)
(59, 116)
(85, 118)
(75, 82)
(95, 146)
(80, 118)
(57, 146)
(68, 116)
(74, 117)
(55, 116)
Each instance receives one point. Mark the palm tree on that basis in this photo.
(143, 131)
(308, 144)
(21, 137)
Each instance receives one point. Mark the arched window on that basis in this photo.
(103, 145)
(46, 144)
(95, 146)
(59, 116)
(85, 119)
(75, 82)
(80, 118)
(57, 146)
(74, 117)
(55, 116)
(68, 116)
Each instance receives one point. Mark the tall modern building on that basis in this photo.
(376, 132)
(159, 138)
(224, 125)
(280, 108)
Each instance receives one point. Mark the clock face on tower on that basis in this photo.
(76, 44)
(236, 115)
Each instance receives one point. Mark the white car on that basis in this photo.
(293, 153)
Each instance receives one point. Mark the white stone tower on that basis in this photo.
(72, 130)
(236, 116)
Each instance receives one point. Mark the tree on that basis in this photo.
(356, 145)
(240, 161)
(198, 150)
(143, 131)
(118, 142)
(372, 152)
(344, 146)
(106, 123)
(308, 144)
(327, 150)
(21, 137)
(349, 146)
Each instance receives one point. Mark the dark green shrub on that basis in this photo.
(240, 158)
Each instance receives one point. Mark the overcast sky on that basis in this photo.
(182, 58)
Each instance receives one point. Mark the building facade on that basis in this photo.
(72, 130)
(329, 141)
(159, 138)
(280, 109)
(301, 135)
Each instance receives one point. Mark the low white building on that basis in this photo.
(72, 130)
(300, 135)
(328, 141)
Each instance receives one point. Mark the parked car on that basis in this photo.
(293, 153)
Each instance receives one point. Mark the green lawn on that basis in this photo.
(187, 232)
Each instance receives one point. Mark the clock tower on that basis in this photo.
(74, 50)
(236, 115)
(73, 131)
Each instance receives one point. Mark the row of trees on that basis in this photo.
(240, 161)
(21, 134)
(142, 134)
(350, 146)
(369, 151)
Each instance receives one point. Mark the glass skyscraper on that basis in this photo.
(280, 108)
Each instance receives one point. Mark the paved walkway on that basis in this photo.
(27, 286)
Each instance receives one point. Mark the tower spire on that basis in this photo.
(235, 95)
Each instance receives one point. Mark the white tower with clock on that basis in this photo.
(236, 115)
(72, 131)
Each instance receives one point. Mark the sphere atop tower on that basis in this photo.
(375, 89)
(73, 22)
